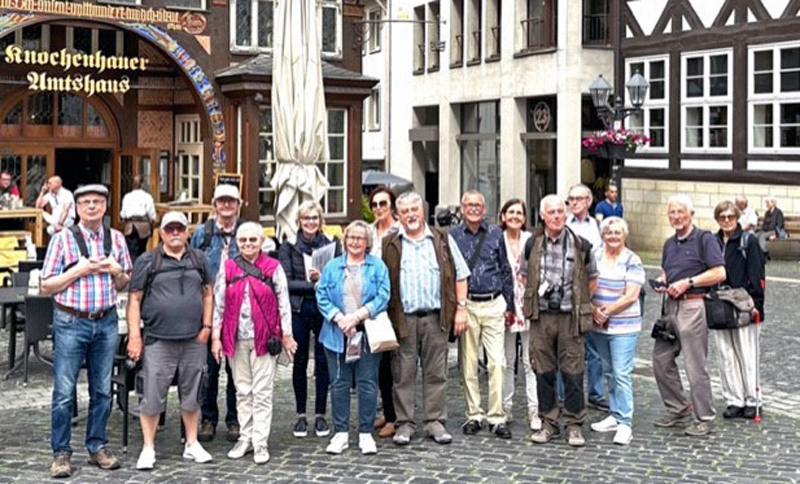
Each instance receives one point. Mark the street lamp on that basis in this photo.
(612, 116)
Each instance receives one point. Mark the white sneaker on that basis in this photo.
(197, 453)
(147, 459)
(367, 444)
(242, 448)
(261, 455)
(533, 418)
(339, 443)
(624, 435)
(608, 424)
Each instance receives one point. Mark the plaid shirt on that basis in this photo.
(93, 292)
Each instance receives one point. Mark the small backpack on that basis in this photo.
(208, 232)
(156, 267)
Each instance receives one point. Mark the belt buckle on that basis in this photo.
(94, 315)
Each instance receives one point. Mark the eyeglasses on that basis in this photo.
(92, 201)
(726, 216)
(474, 205)
(310, 218)
(355, 238)
(226, 201)
(174, 229)
(379, 203)
(245, 240)
(577, 199)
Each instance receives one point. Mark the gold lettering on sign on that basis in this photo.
(16, 55)
(86, 84)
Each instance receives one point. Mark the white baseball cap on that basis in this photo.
(226, 190)
(172, 218)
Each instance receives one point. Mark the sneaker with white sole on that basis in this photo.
(261, 455)
(624, 435)
(147, 459)
(339, 443)
(242, 448)
(367, 444)
(534, 420)
(608, 424)
(197, 453)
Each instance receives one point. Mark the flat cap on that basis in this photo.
(92, 188)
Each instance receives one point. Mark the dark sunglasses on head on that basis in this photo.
(380, 203)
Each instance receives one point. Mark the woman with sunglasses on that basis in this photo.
(353, 288)
(252, 325)
(744, 267)
(381, 201)
(305, 315)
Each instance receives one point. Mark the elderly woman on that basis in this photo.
(513, 216)
(295, 257)
(618, 320)
(744, 267)
(381, 202)
(251, 325)
(353, 287)
(773, 225)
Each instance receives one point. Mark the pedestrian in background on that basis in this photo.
(513, 217)
(353, 288)
(610, 206)
(138, 213)
(252, 325)
(744, 267)
(617, 315)
(306, 318)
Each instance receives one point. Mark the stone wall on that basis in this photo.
(645, 203)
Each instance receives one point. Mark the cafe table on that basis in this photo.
(29, 213)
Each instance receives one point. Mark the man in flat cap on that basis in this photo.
(84, 268)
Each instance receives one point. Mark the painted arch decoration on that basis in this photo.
(14, 20)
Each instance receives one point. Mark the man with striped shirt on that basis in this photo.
(428, 276)
(84, 268)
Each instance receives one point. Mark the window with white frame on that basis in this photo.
(375, 30)
(266, 164)
(774, 98)
(652, 120)
(375, 109)
(706, 94)
(252, 26)
(335, 169)
(189, 150)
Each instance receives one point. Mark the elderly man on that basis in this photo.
(216, 239)
(171, 293)
(138, 212)
(61, 203)
(490, 301)
(557, 300)
(610, 207)
(84, 268)
(429, 296)
(691, 262)
(580, 198)
(749, 217)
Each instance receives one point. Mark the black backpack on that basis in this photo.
(84, 249)
(156, 267)
(208, 234)
(252, 270)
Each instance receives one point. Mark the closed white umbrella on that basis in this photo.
(298, 110)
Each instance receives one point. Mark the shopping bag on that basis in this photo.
(380, 333)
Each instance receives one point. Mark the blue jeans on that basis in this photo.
(76, 340)
(366, 377)
(617, 352)
(594, 370)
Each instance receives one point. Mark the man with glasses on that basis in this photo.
(84, 268)
(490, 303)
(61, 203)
(216, 239)
(428, 278)
(171, 293)
(580, 199)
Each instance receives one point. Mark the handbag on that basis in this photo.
(380, 333)
(728, 308)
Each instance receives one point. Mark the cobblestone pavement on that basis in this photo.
(738, 452)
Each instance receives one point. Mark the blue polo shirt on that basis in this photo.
(681, 259)
(608, 209)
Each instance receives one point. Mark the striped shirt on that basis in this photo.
(420, 277)
(95, 292)
(611, 282)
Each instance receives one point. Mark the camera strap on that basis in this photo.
(563, 258)
(477, 252)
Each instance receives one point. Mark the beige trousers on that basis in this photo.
(254, 377)
(737, 362)
(485, 331)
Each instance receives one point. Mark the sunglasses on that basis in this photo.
(174, 229)
(380, 203)
(727, 217)
(245, 240)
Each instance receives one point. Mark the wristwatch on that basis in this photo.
(691, 283)
(462, 303)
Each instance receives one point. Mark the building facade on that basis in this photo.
(492, 95)
(177, 91)
(723, 110)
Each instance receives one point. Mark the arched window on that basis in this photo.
(60, 115)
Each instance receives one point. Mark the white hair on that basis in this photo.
(741, 198)
(771, 198)
(551, 199)
(581, 186)
(683, 200)
(608, 222)
(248, 228)
(408, 198)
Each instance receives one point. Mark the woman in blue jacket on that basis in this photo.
(353, 287)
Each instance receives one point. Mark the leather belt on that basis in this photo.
(137, 219)
(484, 297)
(91, 315)
(424, 313)
(691, 295)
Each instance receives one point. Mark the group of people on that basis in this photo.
(559, 301)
